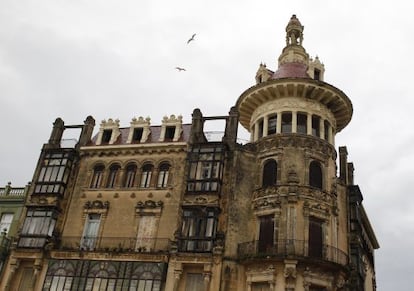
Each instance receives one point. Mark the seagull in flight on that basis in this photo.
(191, 39)
(180, 69)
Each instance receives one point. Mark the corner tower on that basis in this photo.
(292, 207)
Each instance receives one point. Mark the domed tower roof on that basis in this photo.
(298, 77)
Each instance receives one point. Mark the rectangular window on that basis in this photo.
(302, 120)
(90, 232)
(317, 74)
(147, 230)
(54, 173)
(271, 125)
(316, 126)
(315, 237)
(37, 227)
(198, 229)
(287, 122)
(205, 173)
(266, 234)
(5, 222)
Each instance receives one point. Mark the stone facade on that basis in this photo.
(160, 207)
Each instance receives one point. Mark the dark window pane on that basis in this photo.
(269, 173)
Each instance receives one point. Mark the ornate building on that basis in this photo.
(165, 208)
(11, 205)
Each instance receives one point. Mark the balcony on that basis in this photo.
(291, 248)
(114, 244)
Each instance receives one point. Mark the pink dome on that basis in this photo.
(291, 70)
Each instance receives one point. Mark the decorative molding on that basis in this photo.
(201, 200)
(149, 207)
(315, 147)
(96, 206)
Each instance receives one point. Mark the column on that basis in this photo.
(330, 136)
(279, 122)
(321, 128)
(265, 125)
(294, 121)
(256, 131)
(309, 124)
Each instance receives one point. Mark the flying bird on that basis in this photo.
(191, 39)
(180, 69)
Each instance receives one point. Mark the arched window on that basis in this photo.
(113, 174)
(315, 175)
(131, 171)
(98, 171)
(163, 174)
(269, 173)
(146, 175)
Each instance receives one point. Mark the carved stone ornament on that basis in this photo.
(97, 204)
(149, 204)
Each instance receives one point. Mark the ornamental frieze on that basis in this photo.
(201, 200)
(273, 142)
(283, 191)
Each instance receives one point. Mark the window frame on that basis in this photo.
(97, 176)
(163, 175)
(146, 175)
(205, 169)
(38, 225)
(5, 225)
(113, 175)
(316, 179)
(130, 175)
(198, 229)
(269, 173)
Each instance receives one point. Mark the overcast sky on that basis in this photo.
(116, 59)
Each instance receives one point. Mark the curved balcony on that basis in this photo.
(299, 249)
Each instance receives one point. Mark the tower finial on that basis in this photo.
(294, 32)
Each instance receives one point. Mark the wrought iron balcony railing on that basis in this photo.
(296, 248)
(114, 244)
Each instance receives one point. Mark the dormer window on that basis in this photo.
(106, 135)
(137, 136)
(169, 133)
(317, 74)
(171, 128)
